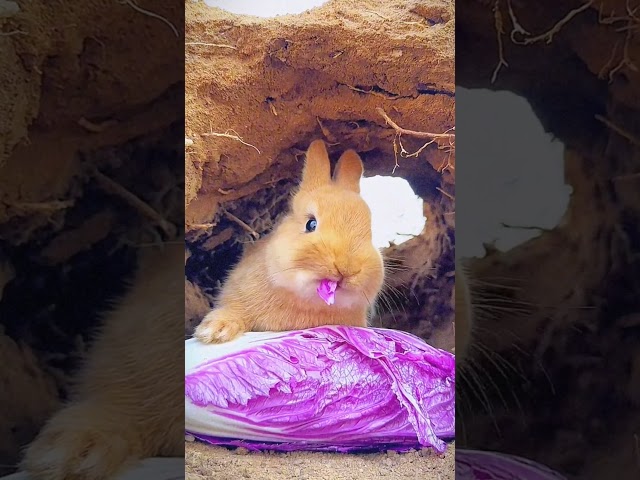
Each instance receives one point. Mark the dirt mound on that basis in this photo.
(259, 90)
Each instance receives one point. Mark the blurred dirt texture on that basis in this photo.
(563, 326)
(86, 174)
(375, 76)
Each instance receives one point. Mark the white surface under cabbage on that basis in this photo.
(328, 388)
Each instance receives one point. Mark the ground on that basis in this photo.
(206, 462)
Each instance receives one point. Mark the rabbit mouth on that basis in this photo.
(327, 290)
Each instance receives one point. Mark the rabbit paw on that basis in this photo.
(78, 443)
(218, 327)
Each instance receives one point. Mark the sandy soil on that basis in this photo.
(203, 462)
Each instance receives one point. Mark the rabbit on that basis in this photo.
(326, 235)
(128, 400)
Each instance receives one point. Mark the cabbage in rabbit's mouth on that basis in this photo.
(327, 291)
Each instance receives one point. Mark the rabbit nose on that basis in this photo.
(344, 274)
(339, 277)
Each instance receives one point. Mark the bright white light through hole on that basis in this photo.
(396, 211)
(265, 8)
(509, 170)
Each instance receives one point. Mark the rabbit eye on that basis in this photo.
(311, 225)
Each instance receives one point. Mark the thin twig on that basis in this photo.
(446, 164)
(372, 92)
(499, 27)
(446, 194)
(413, 133)
(325, 130)
(236, 220)
(404, 153)
(400, 131)
(608, 63)
(213, 242)
(111, 186)
(631, 21)
(12, 33)
(515, 24)
(549, 34)
(525, 227)
(138, 9)
(219, 45)
(395, 154)
(232, 137)
(518, 29)
(619, 130)
(200, 226)
(50, 206)
(625, 61)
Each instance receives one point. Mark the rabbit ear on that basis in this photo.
(317, 169)
(348, 171)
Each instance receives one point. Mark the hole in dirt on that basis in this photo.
(397, 216)
(518, 188)
(396, 211)
(265, 9)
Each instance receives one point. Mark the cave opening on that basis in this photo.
(520, 162)
(397, 213)
(398, 228)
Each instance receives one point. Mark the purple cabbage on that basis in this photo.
(481, 465)
(327, 388)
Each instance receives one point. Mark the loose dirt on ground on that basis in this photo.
(203, 461)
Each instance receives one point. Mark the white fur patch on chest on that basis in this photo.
(304, 285)
(300, 283)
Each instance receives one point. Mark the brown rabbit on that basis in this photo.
(325, 236)
(128, 400)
